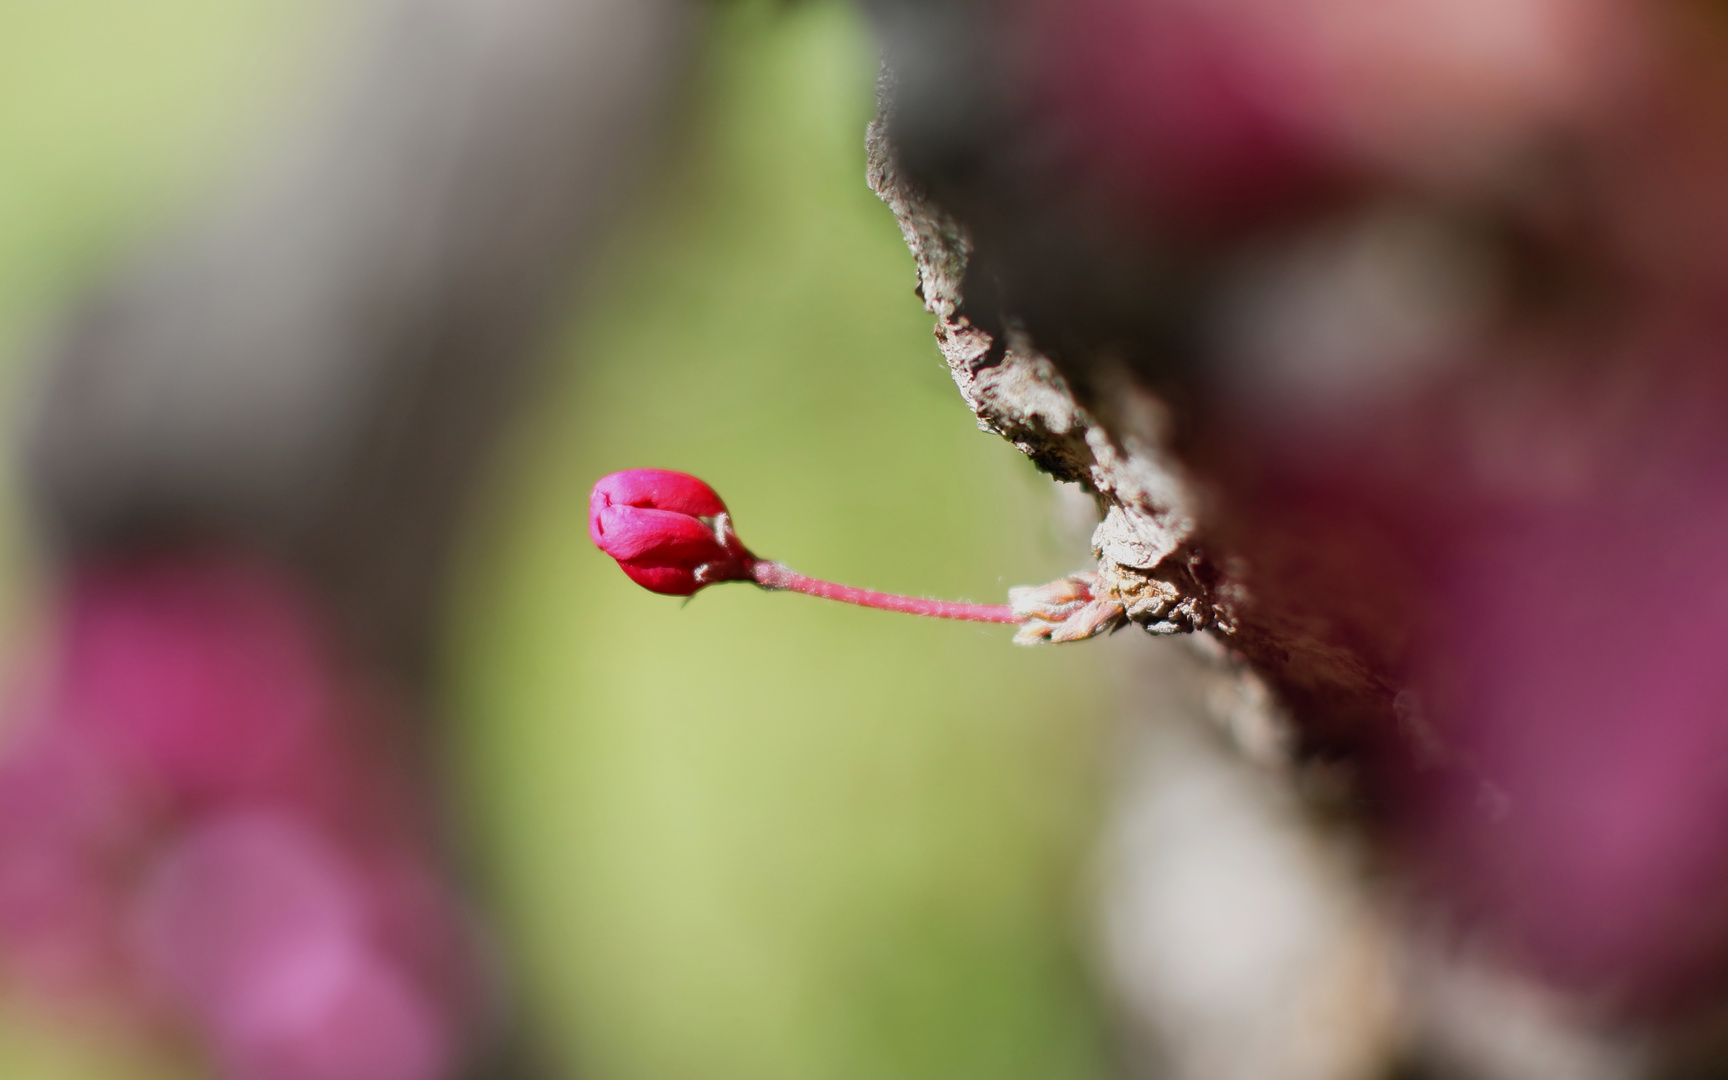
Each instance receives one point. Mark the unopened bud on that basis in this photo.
(669, 531)
(672, 534)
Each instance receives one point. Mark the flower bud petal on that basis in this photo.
(655, 489)
(666, 580)
(628, 533)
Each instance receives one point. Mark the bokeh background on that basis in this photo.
(752, 835)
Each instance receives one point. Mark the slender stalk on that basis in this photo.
(772, 575)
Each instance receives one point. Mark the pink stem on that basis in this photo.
(772, 575)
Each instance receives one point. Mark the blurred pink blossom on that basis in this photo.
(201, 811)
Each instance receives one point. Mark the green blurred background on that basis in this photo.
(756, 836)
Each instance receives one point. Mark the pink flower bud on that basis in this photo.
(669, 531)
(671, 534)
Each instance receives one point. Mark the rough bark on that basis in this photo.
(1242, 935)
(1113, 436)
(1144, 543)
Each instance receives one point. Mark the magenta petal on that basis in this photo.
(629, 533)
(666, 580)
(657, 489)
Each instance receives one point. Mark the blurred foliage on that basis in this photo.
(54, 1041)
(114, 115)
(761, 836)
(112, 112)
